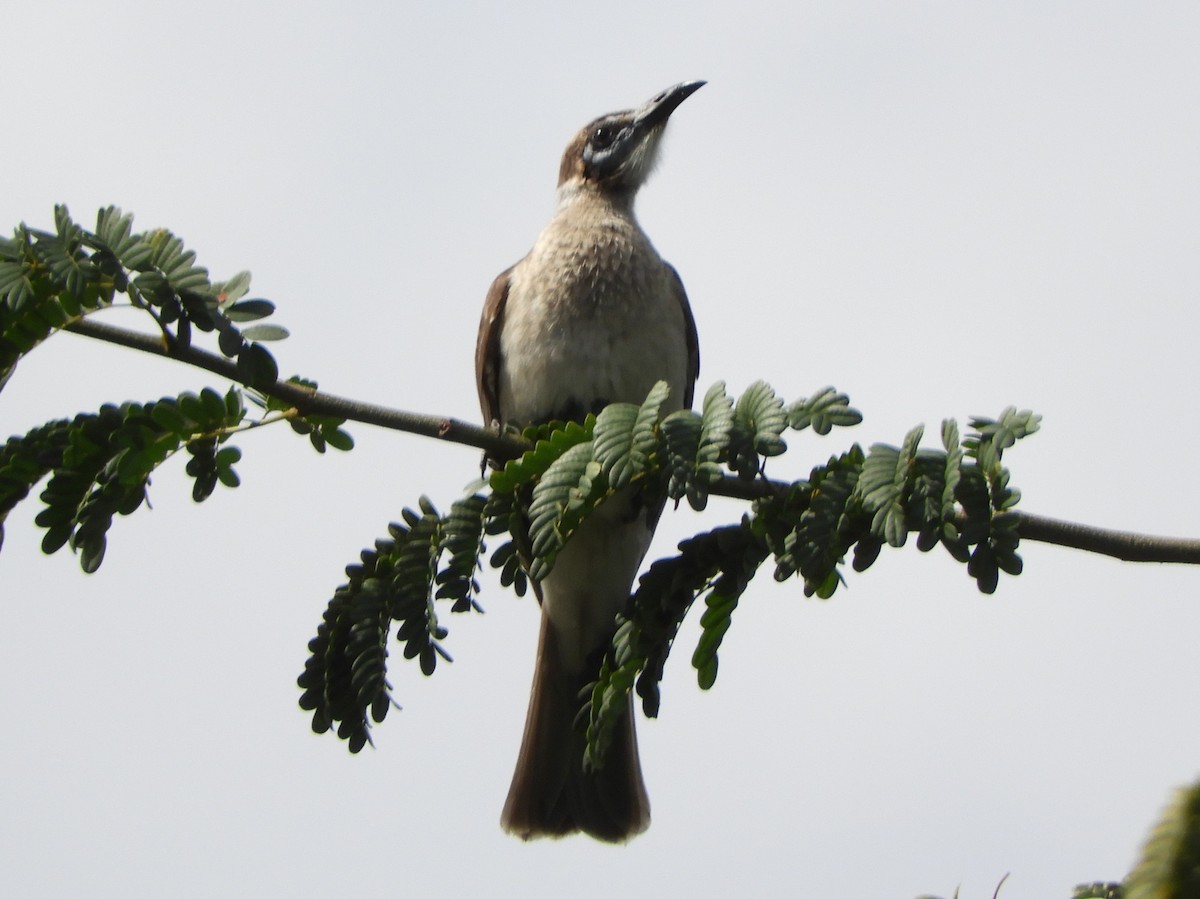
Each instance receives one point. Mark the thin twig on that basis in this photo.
(1124, 545)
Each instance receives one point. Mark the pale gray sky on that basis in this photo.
(940, 208)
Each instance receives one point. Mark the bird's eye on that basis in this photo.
(603, 137)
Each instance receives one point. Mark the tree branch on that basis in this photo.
(313, 402)
(1124, 545)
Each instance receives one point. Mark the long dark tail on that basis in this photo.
(551, 794)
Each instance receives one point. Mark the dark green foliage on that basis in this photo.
(758, 420)
(811, 524)
(50, 279)
(426, 558)
(26, 460)
(322, 430)
(625, 436)
(717, 565)
(1100, 891)
(345, 672)
(552, 449)
(462, 541)
(852, 506)
(99, 464)
(823, 411)
(1169, 867)
(694, 446)
(411, 568)
(503, 515)
(550, 442)
(565, 493)
(681, 434)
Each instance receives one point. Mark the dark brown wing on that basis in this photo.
(693, 339)
(487, 349)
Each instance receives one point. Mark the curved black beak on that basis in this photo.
(659, 108)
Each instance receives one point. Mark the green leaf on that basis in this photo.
(1006, 430)
(264, 332)
(230, 342)
(338, 439)
(826, 525)
(48, 280)
(760, 411)
(884, 484)
(992, 436)
(716, 428)
(114, 235)
(462, 536)
(344, 677)
(681, 432)
(235, 407)
(822, 412)
(624, 436)
(505, 514)
(256, 366)
(531, 464)
(724, 558)
(64, 253)
(758, 419)
(250, 310)
(213, 404)
(954, 457)
(16, 286)
(91, 554)
(228, 292)
(190, 405)
(572, 483)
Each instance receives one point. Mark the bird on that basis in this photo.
(592, 315)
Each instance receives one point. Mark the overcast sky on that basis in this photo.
(940, 208)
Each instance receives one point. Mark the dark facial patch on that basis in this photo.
(607, 146)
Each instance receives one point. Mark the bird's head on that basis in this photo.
(616, 152)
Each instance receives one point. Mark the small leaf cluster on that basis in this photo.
(425, 558)
(1101, 890)
(99, 464)
(854, 504)
(50, 279)
(322, 431)
(717, 565)
(859, 502)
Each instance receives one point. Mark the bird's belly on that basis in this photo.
(561, 361)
